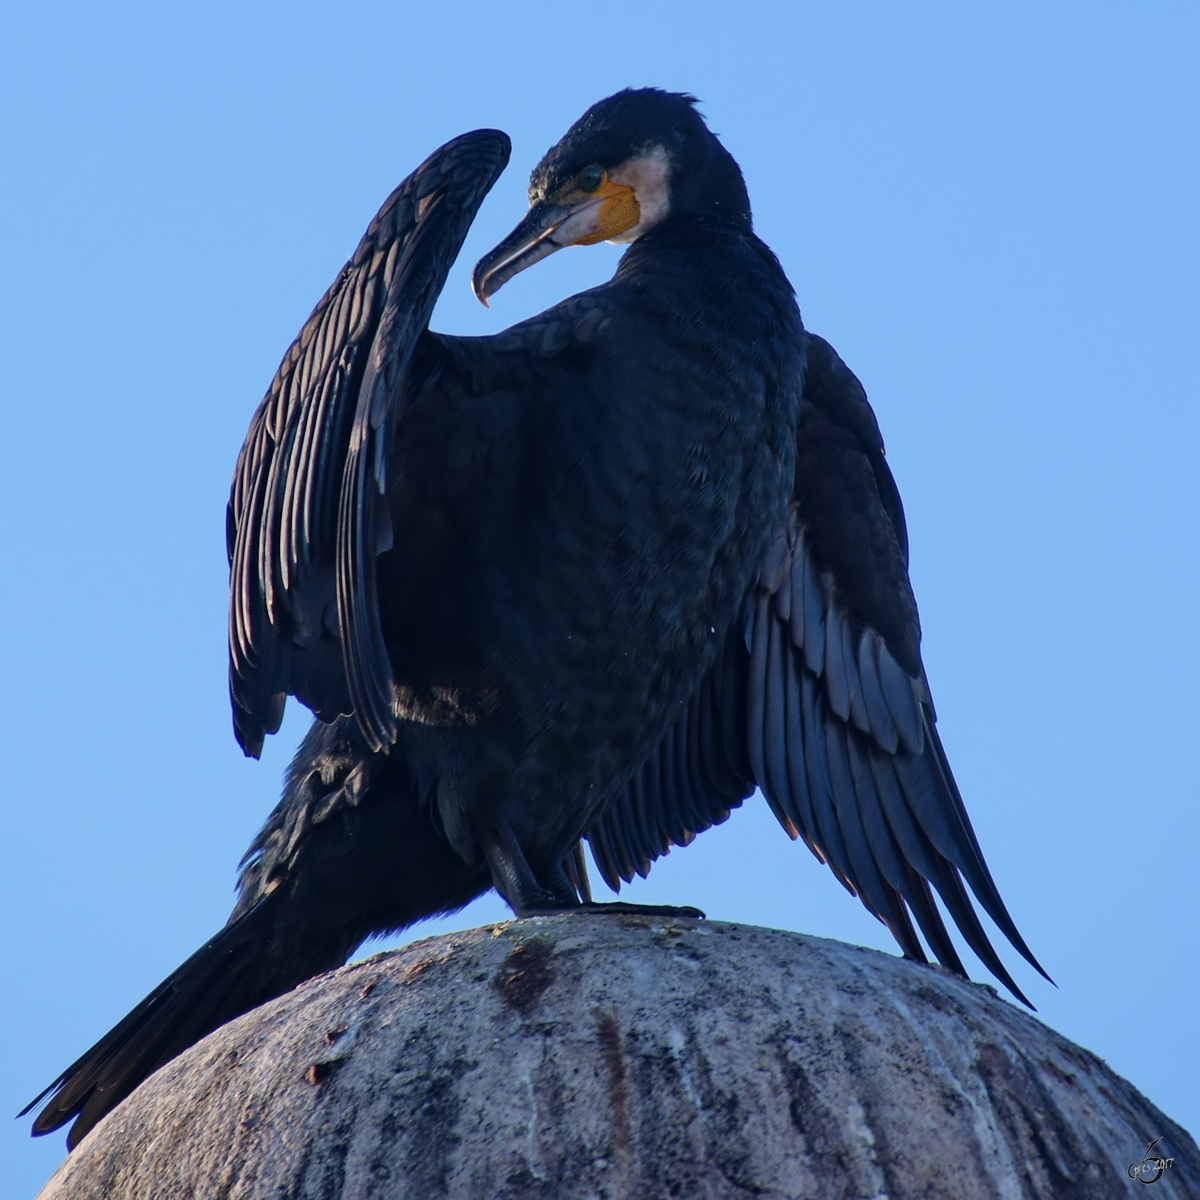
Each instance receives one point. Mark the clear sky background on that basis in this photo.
(993, 215)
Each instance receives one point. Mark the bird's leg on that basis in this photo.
(514, 879)
(621, 908)
(554, 893)
(560, 882)
(575, 866)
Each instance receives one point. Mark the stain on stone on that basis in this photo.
(321, 1071)
(341, 1038)
(323, 1167)
(817, 1124)
(370, 987)
(608, 1033)
(633, 921)
(929, 994)
(524, 975)
(427, 1119)
(1056, 1163)
(414, 972)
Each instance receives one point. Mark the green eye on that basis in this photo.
(590, 178)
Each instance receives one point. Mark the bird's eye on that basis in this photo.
(590, 178)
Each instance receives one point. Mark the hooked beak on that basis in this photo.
(548, 227)
(531, 241)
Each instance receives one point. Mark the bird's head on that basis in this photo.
(631, 163)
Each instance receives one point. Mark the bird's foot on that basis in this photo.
(621, 908)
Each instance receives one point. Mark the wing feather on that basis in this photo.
(819, 698)
(794, 746)
(602, 853)
(305, 519)
(880, 724)
(685, 833)
(756, 693)
(776, 786)
(837, 687)
(813, 719)
(814, 617)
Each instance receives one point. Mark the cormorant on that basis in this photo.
(599, 575)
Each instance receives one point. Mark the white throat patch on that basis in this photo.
(649, 174)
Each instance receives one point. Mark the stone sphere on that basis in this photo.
(618, 1056)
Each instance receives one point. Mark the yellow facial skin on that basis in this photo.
(598, 215)
(591, 208)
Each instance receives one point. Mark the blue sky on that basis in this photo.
(992, 214)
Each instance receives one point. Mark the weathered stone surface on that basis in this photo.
(631, 1057)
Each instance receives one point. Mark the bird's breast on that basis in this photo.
(578, 517)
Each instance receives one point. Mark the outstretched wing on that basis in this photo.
(305, 521)
(820, 700)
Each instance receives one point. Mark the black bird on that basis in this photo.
(598, 576)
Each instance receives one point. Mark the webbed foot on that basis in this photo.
(621, 908)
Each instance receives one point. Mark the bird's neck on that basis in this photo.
(686, 234)
(689, 246)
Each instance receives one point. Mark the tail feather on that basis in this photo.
(213, 986)
(349, 851)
